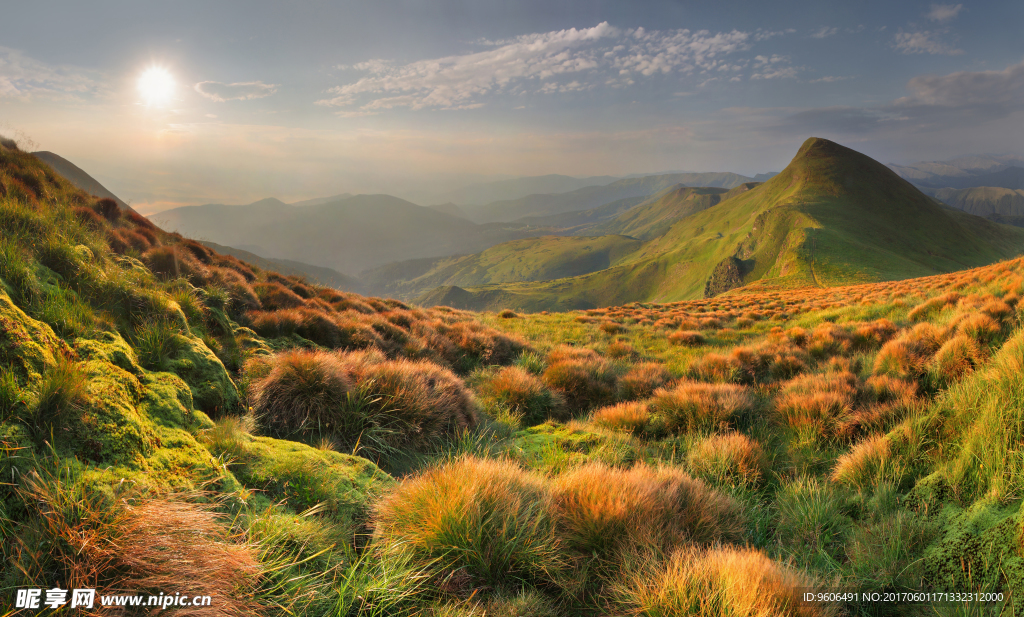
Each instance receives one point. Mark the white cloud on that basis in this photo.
(828, 79)
(924, 42)
(26, 78)
(824, 32)
(562, 61)
(989, 89)
(239, 91)
(944, 12)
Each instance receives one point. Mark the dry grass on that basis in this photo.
(602, 510)
(692, 406)
(487, 518)
(642, 380)
(630, 417)
(861, 466)
(523, 394)
(303, 390)
(689, 338)
(585, 379)
(733, 458)
(138, 546)
(740, 582)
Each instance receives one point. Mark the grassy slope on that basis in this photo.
(833, 216)
(531, 259)
(901, 493)
(594, 196)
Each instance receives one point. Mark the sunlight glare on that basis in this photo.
(156, 86)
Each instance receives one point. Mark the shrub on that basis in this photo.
(642, 380)
(585, 383)
(486, 518)
(600, 510)
(304, 390)
(732, 458)
(610, 327)
(507, 314)
(721, 581)
(523, 394)
(689, 338)
(630, 417)
(692, 406)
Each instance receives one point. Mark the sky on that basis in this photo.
(244, 100)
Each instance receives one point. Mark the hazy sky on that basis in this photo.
(307, 99)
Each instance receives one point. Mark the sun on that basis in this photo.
(156, 86)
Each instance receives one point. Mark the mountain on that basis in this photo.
(832, 217)
(998, 204)
(592, 196)
(314, 274)
(348, 235)
(529, 259)
(78, 178)
(515, 188)
(655, 216)
(963, 172)
(321, 200)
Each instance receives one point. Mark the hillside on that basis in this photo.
(832, 217)
(531, 259)
(77, 177)
(962, 172)
(653, 218)
(314, 274)
(173, 418)
(594, 196)
(994, 203)
(348, 235)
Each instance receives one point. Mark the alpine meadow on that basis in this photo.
(469, 311)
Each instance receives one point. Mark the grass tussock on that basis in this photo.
(523, 394)
(732, 458)
(717, 582)
(585, 379)
(630, 417)
(642, 380)
(693, 406)
(485, 518)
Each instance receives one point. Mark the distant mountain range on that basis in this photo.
(832, 217)
(965, 172)
(593, 196)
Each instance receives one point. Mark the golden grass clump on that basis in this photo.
(957, 357)
(687, 338)
(631, 417)
(732, 457)
(642, 380)
(907, 356)
(302, 390)
(861, 466)
(523, 394)
(585, 379)
(980, 327)
(488, 518)
(740, 582)
(693, 406)
(823, 401)
(600, 510)
(620, 349)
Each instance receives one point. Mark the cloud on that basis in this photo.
(25, 78)
(563, 61)
(824, 32)
(934, 102)
(944, 12)
(924, 42)
(239, 91)
(828, 79)
(988, 89)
